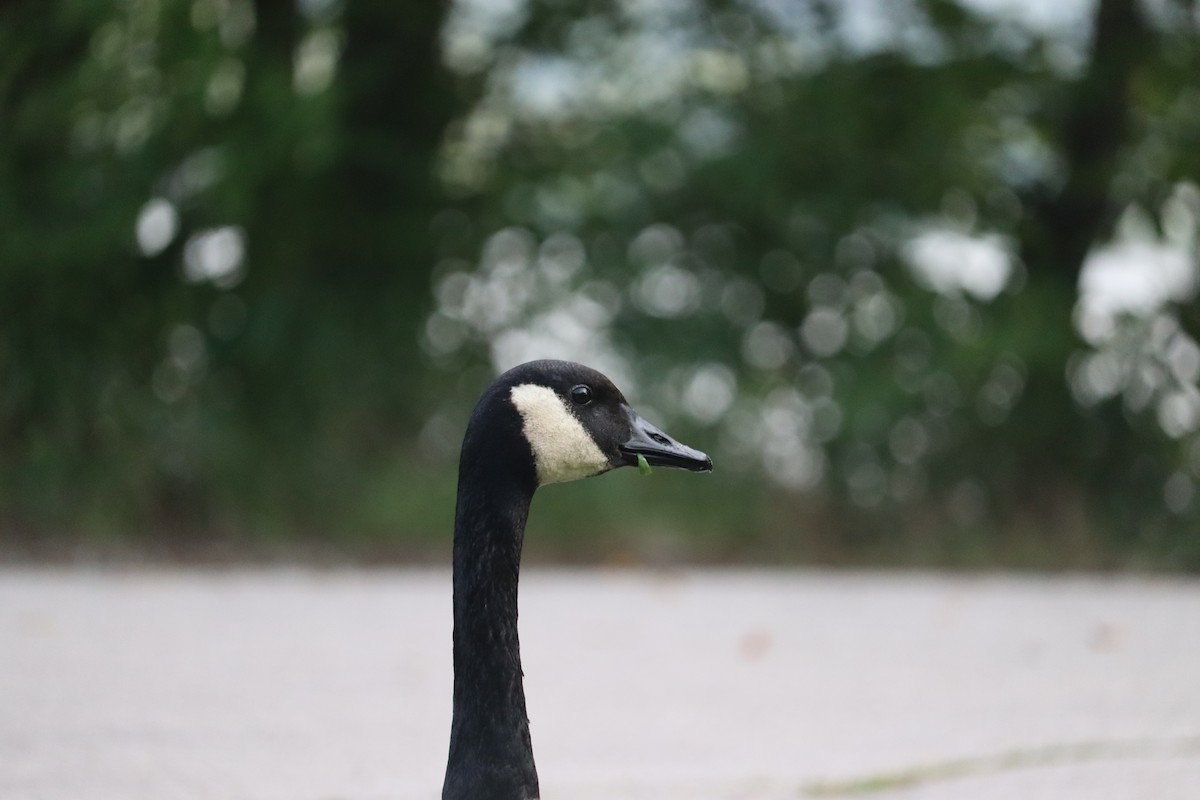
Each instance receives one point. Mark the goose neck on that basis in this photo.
(489, 741)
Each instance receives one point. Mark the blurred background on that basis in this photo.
(919, 275)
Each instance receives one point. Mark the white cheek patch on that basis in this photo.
(562, 449)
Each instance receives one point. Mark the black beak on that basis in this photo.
(659, 449)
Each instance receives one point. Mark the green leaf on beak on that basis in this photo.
(643, 465)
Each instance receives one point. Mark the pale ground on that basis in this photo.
(298, 685)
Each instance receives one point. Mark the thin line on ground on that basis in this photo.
(1012, 760)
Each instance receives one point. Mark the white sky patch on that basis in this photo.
(215, 255)
(824, 331)
(710, 392)
(546, 86)
(767, 346)
(577, 329)
(950, 262)
(472, 29)
(1140, 272)
(1062, 17)
(667, 291)
(157, 224)
(1134, 278)
(1126, 292)
(784, 440)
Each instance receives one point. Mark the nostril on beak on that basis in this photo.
(658, 437)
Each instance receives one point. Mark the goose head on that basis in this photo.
(542, 422)
(577, 424)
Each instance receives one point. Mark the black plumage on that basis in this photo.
(491, 754)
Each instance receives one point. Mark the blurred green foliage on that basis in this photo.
(257, 260)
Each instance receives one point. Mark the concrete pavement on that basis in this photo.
(323, 685)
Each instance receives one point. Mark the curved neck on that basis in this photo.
(490, 751)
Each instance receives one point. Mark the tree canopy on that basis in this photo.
(922, 272)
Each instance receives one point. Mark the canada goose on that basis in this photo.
(542, 422)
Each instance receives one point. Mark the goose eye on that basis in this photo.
(581, 395)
